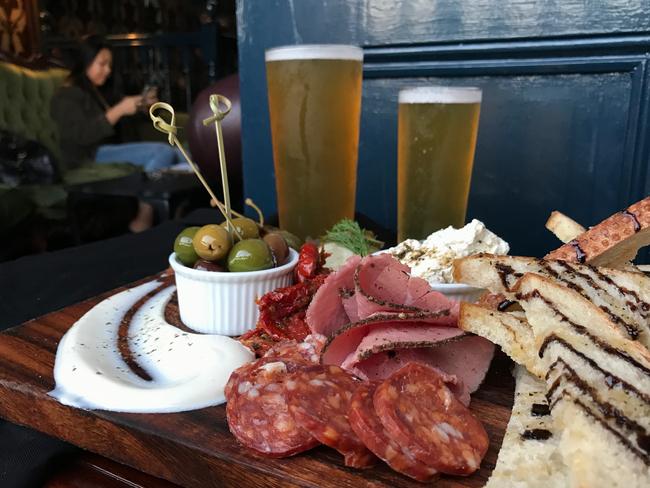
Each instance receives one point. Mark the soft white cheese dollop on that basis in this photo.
(433, 258)
(189, 371)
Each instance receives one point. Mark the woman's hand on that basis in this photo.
(149, 97)
(130, 105)
(126, 106)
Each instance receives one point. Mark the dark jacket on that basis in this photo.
(82, 124)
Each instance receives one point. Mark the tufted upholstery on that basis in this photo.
(25, 107)
(25, 95)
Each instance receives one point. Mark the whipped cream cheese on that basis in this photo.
(432, 259)
(188, 371)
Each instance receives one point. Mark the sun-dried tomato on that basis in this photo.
(258, 341)
(282, 311)
(310, 263)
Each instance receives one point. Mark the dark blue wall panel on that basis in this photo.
(564, 116)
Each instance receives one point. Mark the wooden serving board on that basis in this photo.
(195, 449)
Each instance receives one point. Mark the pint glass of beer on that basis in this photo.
(314, 103)
(436, 137)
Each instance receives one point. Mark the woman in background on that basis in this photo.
(86, 121)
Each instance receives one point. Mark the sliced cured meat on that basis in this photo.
(351, 307)
(422, 316)
(385, 347)
(367, 426)
(326, 313)
(319, 400)
(309, 350)
(346, 340)
(317, 342)
(468, 359)
(376, 272)
(448, 349)
(416, 289)
(436, 301)
(380, 283)
(235, 377)
(390, 337)
(257, 411)
(381, 365)
(383, 284)
(419, 412)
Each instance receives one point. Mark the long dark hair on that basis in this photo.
(82, 57)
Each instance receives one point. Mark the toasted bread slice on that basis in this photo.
(565, 228)
(623, 295)
(613, 242)
(507, 330)
(598, 385)
(525, 461)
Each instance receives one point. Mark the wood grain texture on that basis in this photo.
(195, 449)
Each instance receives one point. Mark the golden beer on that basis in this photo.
(314, 103)
(436, 138)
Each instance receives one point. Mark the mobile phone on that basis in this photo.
(148, 89)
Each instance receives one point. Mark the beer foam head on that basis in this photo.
(315, 51)
(440, 94)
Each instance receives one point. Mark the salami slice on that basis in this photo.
(319, 399)
(309, 350)
(257, 411)
(236, 376)
(419, 412)
(367, 426)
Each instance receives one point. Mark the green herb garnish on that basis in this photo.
(349, 234)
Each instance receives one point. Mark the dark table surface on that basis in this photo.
(35, 285)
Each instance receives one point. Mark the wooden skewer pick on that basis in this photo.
(218, 116)
(170, 129)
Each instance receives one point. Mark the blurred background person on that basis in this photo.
(86, 121)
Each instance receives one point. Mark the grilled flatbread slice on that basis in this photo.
(598, 386)
(529, 457)
(510, 331)
(623, 295)
(613, 242)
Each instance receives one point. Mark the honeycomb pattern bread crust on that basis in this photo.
(613, 242)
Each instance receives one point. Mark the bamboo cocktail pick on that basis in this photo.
(215, 101)
(170, 129)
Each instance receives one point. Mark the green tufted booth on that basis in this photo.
(25, 94)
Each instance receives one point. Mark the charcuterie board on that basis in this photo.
(195, 449)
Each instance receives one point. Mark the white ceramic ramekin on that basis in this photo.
(224, 303)
(458, 291)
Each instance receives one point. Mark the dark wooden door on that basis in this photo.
(565, 99)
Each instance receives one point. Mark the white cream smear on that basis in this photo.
(188, 371)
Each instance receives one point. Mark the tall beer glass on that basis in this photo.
(436, 137)
(314, 103)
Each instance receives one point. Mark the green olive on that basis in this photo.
(250, 255)
(183, 246)
(293, 240)
(246, 227)
(211, 242)
(279, 247)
